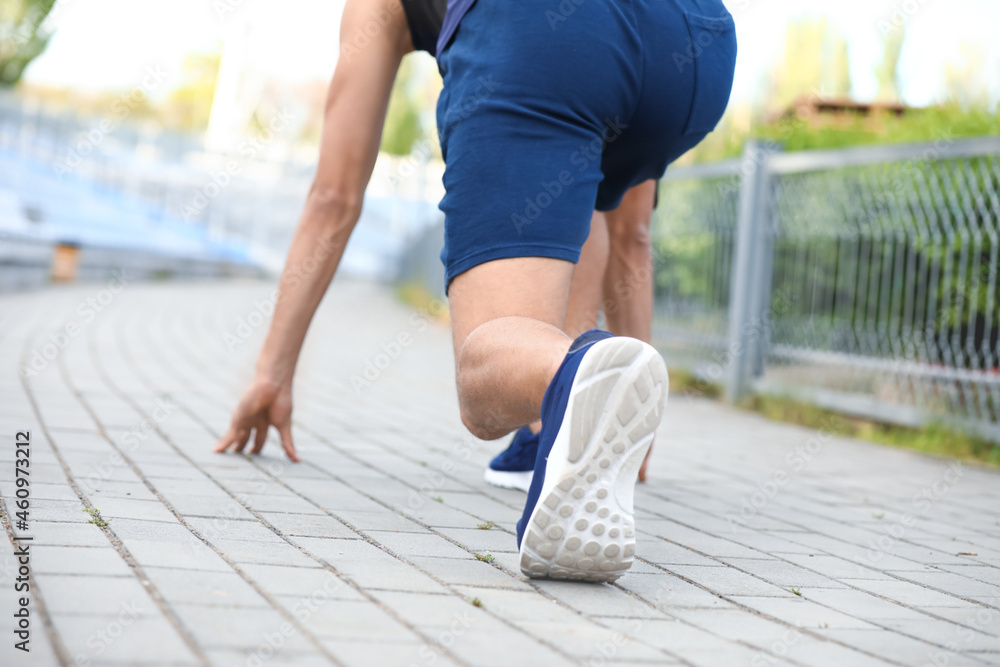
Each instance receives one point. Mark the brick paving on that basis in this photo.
(759, 543)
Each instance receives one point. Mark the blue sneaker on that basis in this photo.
(600, 413)
(512, 468)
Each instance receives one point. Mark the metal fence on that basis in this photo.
(862, 280)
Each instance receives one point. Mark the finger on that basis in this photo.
(285, 430)
(241, 440)
(222, 444)
(260, 437)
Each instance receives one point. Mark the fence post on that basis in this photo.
(749, 263)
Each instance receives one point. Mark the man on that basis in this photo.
(588, 101)
(614, 274)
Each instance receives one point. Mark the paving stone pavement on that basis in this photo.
(759, 543)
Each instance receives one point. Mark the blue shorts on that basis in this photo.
(552, 108)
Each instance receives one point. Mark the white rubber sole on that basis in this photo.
(582, 527)
(520, 481)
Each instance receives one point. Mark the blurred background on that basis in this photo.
(835, 240)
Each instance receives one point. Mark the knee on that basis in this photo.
(476, 413)
(477, 419)
(479, 427)
(465, 382)
(630, 234)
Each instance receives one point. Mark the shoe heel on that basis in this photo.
(582, 528)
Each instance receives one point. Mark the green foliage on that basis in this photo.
(416, 296)
(688, 255)
(942, 123)
(21, 37)
(95, 517)
(935, 439)
(816, 66)
(888, 70)
(488, 558)
(685, 383)
(402, 121)
(190, 104)
(917, 125)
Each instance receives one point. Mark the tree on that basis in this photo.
(965, 82)
(190, 104)
(815, 63)
(887, 71)
(839, 72)
(21, 37)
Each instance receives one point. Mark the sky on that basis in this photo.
(109, 44)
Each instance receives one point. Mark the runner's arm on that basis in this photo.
(352, 130)
(354, 114)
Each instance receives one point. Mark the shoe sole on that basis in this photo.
(582, 527)
(520, 481)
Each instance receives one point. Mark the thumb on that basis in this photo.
(285, 431)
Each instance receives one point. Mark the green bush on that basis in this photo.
(844, 130)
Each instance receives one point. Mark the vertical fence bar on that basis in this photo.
(749, 262)
(763, 288)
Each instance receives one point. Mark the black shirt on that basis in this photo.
(425, 18)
